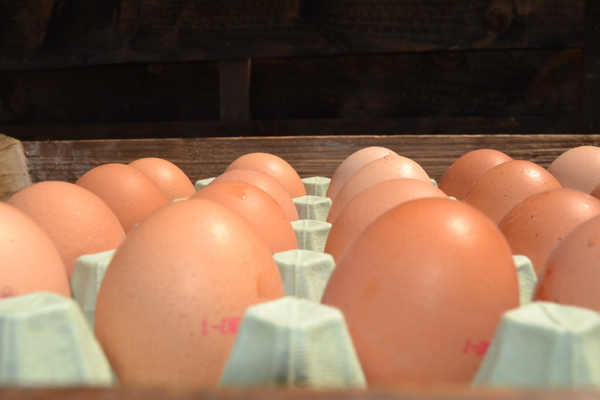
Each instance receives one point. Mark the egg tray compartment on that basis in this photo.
(295, 341)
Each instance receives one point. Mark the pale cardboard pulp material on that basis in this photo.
(86, 280)
(305, 273)
(544, 345)
(293, 343)
(46, 342)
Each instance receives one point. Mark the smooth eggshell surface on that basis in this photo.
(369, 204)
(578, 168)
(29, 260)
(572, 272)
(382, 169)
(423, 289)
(506, 185)
(460, 176)
(536, 225)
(77, 221)
(258, 208)
(266, 183)
(274, 166)
(353, 163)
(169, 177)
(131, 194)
(174, 294)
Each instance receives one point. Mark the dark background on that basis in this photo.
(89, 69)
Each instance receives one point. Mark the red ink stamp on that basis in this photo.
(478, 348)
(226, 326)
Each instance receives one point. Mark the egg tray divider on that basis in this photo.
(49, 339)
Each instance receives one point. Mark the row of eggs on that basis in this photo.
(393, 275)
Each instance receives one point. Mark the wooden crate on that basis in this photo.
(85, 69)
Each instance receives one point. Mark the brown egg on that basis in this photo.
(369, 204)
(423, 289)
(353, 163)
(169, 177)
(578, 168)
(258, 208)
(507, 184)
(77, 221)
(382, 169)
(274, 166)
(29, 260)
(435, 262)
(175, 291)
(571, 274)
(536, 225)
(131, 194)
(463, 172)
(266, 183)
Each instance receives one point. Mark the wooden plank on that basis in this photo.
(310, 156)
(591, 69)
(116, 93)
(38, 34)
(295, 127)
(234, 85)
(406, 392)
(438, 84)
(14, 174)
(500, 85)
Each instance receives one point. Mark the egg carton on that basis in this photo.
(295, 341)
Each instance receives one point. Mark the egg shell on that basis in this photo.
(502, 187)
(77, 221)
(382, 169)
(131, 194)
(571, 274)
(175, 292)
(274, 166)
(464, 171)
(536, 225)
(369, 204)
(353, 163)
(578, 168)
(174, 183)
(29, 260)
(423, 289)
(266, 183)
(258, 208)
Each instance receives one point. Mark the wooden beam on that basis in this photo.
(40, 34)
(234, 89)
(591, 69)
(309, 155)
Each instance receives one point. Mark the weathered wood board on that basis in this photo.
(310, 156)
(38, 34)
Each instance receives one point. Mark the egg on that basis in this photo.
(578, 168)
(131, 194)
(29, 260)
(258, 208)
(175, 291)
(77, 221)
(169, 177)
(422, 289)
(353, 163)
(266, 183)
(274, 166)
(505, 185)
(384, 168)
(572, 271)
(460, 176)
(536, 225)
(369, 204)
